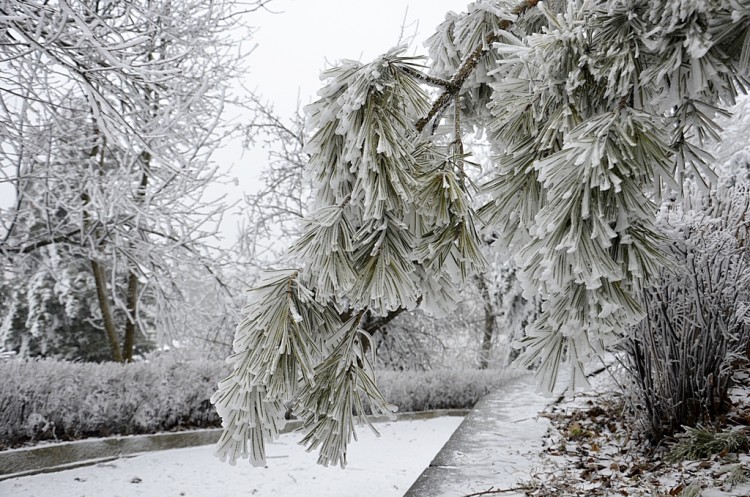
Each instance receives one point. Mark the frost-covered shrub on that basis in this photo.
(56, 400)
(439, 389)
(49, 399)
(698, 314)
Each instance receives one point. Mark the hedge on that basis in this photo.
(56, 400)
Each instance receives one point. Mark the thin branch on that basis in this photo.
(468, 66)
(183, 245)
(26, 249)
(374, 326)
(426, 78)
(496, 491)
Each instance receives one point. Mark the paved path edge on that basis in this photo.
(49, 458)
(497, 442)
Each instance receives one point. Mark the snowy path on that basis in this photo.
(381, 467)
(497, 447)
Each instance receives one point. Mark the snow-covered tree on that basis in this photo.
(49, 308)
(593, 108)
(109, 112)
(271, 215)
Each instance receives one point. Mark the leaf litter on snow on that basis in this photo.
(595, 447)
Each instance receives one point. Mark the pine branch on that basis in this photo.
(426, 78)
(453, 87)
(374, 326)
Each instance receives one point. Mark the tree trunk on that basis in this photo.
(99, 277)
(132, 295)
(130, 324)
(109, 324)
(489, 321)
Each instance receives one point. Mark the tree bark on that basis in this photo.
(132, 295)
(489, 321)
(109, 325)
(130, 324)
(100, 277)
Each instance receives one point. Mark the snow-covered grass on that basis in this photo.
(378, 467)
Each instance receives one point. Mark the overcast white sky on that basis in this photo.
(294, 45)
(297, 39)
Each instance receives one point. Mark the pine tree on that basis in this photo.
(594, 110)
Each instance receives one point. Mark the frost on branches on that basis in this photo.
(109, 114)
(594, 110)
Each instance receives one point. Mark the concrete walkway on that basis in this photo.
(496, 447)
(49, 458)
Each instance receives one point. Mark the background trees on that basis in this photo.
(272, 215)
(594, 111)
(110, 112)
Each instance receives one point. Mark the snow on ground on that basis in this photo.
(382, 467)
(594, 448)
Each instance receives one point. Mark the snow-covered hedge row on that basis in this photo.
(49, 399)
(55, 400)
(439, 388)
